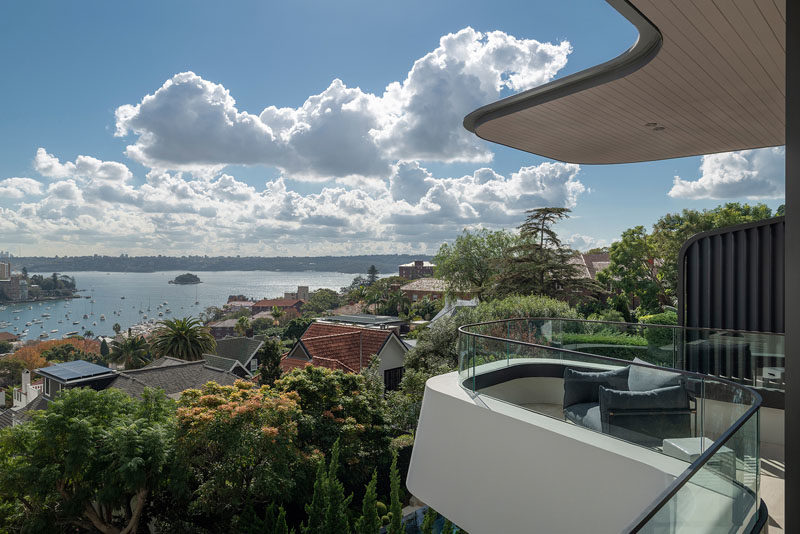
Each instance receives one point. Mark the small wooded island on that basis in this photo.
(187, 278)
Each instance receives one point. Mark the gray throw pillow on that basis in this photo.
(582, 386)
(645, 378)
(669, 398)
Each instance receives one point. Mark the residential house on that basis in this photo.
(169, 374)
(238, 355)
(236, 305)
(369, 321)
(433, 288)
(300, 294)
(290, 307)
(15, 288)
(349, 349)
(416, 269)
(224, 328)
(8, 336)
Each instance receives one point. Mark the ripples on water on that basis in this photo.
(151, 289)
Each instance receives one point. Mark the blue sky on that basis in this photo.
(242, 156)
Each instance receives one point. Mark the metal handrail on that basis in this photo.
(694, 467)
(621, 323)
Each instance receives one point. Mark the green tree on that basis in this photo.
(781, 211)
(316, 510)
(539, 264)
(116, 328)
(321, 301)
(239, 448)
(12, 370)
(25, 272)
(185, 339)
(336, 519)
(427, 522)
(634, 270)
(277, 313)
(242, 326)
(447, 528)
(295, 327)
(269, 361)
(104, 350)
(671, 231)
(6, 347)
(88, 334)
(340, 406)
(372, 275)
(395, 506)
(118, 450)
(370, 521)
(132, 352)
(473, 260)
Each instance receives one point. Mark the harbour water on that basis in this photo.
(124, 298)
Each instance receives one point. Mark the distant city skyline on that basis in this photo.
(308, 129)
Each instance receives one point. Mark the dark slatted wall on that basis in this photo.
(733, 278)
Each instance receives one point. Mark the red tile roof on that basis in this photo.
(335, 346)
(7, 336)
(281, 303)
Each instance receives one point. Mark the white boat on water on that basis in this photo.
(44, 335)
(69, 334)
(102, 317)
(54, 330)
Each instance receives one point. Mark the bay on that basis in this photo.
(143, 290)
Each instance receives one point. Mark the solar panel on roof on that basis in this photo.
(74, 370)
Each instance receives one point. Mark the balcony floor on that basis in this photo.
(772, 486)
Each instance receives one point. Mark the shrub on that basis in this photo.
(622, 346)
(382, 508)
(520, 306)
(658, 337)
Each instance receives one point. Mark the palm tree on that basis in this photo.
(131, 351)
(186, 339)
(88, 334)
(116, 328)
(242, 326)
(277, 313)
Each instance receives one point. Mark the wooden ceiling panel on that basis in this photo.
(705, 76)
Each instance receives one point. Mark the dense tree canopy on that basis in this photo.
(89, 455)
(321, 300)
(473, 260)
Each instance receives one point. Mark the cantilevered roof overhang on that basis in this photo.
(704, 76)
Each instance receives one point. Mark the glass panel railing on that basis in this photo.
(755, 359)
(708, 426)
(721, 495)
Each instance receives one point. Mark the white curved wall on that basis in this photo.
(502, 469)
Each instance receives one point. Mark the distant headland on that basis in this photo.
(385, 263)
(185, 279)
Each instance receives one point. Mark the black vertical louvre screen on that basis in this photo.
(733, 278)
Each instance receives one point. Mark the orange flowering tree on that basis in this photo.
(345, 407)
(237, 450)
(38, 354)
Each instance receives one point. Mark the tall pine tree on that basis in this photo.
(540, 264)
(336, 521)
(318, 507)
(370, 521)
(395, 507)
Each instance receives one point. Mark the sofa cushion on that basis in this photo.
(646, 417)
(646, 378)
(582, 386)
(586, 414)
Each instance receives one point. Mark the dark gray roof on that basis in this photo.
(241, 349)
(220, 362)
(164, 362)
(173, 378)
(9, 417)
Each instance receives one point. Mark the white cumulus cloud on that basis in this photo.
(190, 123)
(752, 174)
(19, 187)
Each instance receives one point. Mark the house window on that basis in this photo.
(46, 387)
(392, 377)
(253, 364)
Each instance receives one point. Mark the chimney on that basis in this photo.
(26, 381)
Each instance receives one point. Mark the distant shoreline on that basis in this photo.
(385, 263)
